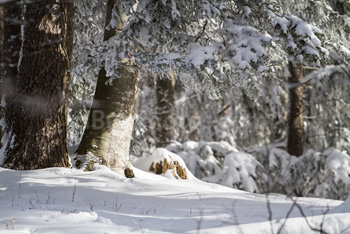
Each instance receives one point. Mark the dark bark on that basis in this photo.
(343, 7)
(1, 41)
(296, 127)
(249, 106)
(36, 117)
(11, 45)
(165, 101)
(1, 58)
(340, 7)
(11, 48)
(109, 128)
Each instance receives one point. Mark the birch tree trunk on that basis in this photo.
(295, 144)
(109, 128)
(36, 121)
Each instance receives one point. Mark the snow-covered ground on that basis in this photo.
(61, 200)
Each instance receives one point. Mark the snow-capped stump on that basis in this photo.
(162, 167)
(165, 163)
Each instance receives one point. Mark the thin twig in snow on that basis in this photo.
(30, 202)
(116, 208)
(305, 217)
(268, 204)
(286, 218)
(74, 190)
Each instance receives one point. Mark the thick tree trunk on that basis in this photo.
(165, 102)
(296, 128)
(109, 128)
(12, 42)
(37, 124)
(11, 46)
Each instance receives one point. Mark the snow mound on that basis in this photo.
(165, 163)
(221, 163)
(318, 174)
(240, 171)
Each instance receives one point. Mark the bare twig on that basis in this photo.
(324, 216)
(306, 220)
(153, 208)
(268, 204)
(37, 197)
(199, 196)
(48, 199)
(116, 207)
(199, 222)
(30, 202)
(92, 206)
(286, 218)
(202, 32)
(224, 109)
(19, 190)
(74, 190)
(139, 226)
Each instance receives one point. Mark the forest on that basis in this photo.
(175, 116)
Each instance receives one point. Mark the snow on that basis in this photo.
(60, 200)
(159, 155)
(145, 35)
(239, 166)
(342, 208)
(198, 54)
(345, 50)
(190, 145)
(280, 158)
(339, 163)
(301, 28)
(219, 162)
(281, 22)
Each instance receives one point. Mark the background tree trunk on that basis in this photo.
(165, 92)
(109, 128)
(338, 5)
(36, 121)
(1, 59)
(295, 144)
